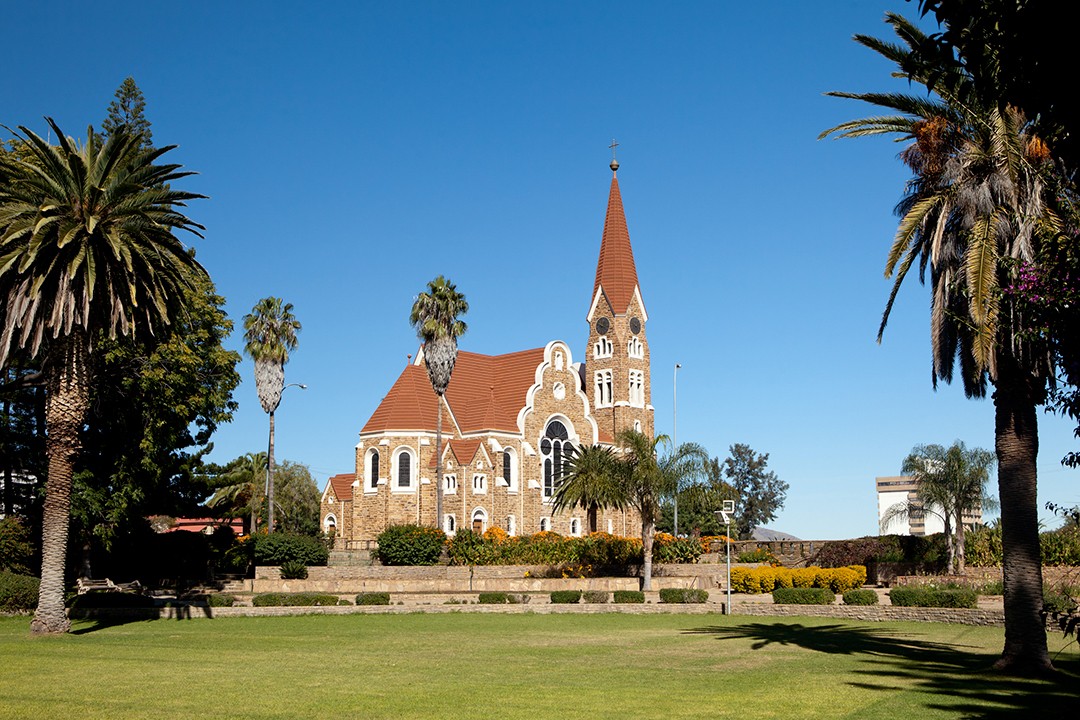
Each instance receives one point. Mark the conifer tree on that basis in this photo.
(127, 111)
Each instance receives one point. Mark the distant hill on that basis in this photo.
(766, 535)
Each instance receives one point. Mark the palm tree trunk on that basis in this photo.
(270, 478)
(950, 545)
(593, 511)
(646, 546)
(960, 554)
(66, 402)
(438, 464)
(1017, 445)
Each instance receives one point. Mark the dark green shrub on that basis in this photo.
(595, 596)
(683, 595)
(112, 600)
(860, 597)
(410, 545)
(220, 600)
(293, 570)
(344, 601)
(911, 596)
(803, 596)
(373, 598)
(18, 592)
(494, 598)
(16, 552)
(565, 597)
(280, 548)
(628, 596)
(294, 600)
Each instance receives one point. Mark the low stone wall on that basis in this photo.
(983, 575)
(877, 613)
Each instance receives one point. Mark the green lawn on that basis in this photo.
(520, 666)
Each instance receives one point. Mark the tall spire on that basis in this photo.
(615, 270)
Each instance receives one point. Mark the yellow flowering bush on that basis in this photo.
(803, 577)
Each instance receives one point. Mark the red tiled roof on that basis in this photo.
(464, 451)
(486, 392)
(342, 485)
(201, 525)
(615, 270)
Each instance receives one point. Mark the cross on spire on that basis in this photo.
(614, 163)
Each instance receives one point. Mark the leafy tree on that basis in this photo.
(950, 483)
(269, 334)
(126, 114)
(699, 501)
(588, 482)
(87, 246)
(22, 436)
(759, 493)
(436, 316)
(981, 202)
(297, 499)
(239, 488)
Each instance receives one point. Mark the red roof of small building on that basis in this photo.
(486, 392)
(342, 485)
(202, 525)
(615, 270)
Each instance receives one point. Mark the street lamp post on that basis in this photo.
(725, 515)
(269, 490)
(675, 437)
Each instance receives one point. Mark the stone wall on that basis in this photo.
(877, 613)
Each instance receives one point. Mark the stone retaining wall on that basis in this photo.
(878, 613)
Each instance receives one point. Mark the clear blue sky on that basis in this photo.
(354, 150)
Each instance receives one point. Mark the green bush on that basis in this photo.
(761, 555)
(860, 597)
(494, 598)
(17, 592)
(410, 545)
(293, 599)
(293, 570)
(565, 597)
(803, 596)
(220, 600)
(670, 549)
(914, 596)
(280, 548)
(373, 598)
(1061, 599)
(628, 596)
(16, 552)
(595, 596)
(683, 595)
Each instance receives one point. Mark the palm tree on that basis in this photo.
(589, 481)
(435, 315)
(241, 491)
(977, 205)
(950, 483)
(86, 247)
(269, 334)
(644, 485)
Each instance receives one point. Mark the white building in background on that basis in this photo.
(902, 490)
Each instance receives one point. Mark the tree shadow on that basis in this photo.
(961, 676)
(93, 620)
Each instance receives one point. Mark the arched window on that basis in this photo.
(554, 447)
(330, 524)
(602, 348)
(479, 484)
(637, 388)
(511, 525)
(450, 484)
(545, 524)
(575, 526)
(449, 524)
(509, 469)
(602, 388)
(479, 520)
(635, 349)
(404, 470)
(371, 471)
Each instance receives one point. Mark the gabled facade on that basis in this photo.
(508, 423)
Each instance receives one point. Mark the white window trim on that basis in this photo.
(635, 348)
(481, 480)
(367, 471)
(545, 521)
(393, 479)
(512, 487)
(602, 388)
(575, 527)
(326, 524)
(448, 520)
(447, 488)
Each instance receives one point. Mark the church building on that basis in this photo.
(508, 423)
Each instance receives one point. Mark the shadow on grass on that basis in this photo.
(958, 677)
(90, 620)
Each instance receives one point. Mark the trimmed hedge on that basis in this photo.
(767, 579)
(628, 596)
(220, 600)
(860, 597)
(494, 598)
(803, 596)
(565, 597)
(410, 545)
(373, 598)
(912, 596)
(280, 548)
(683, 595)
(595, 596)
(18, 592)
(293, 600)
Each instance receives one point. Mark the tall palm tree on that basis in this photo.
(269, 334)
(86, 246)
(436, 317)
(644, 485)
(976, 206)
(589, 481)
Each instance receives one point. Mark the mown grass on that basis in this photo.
(520, 666)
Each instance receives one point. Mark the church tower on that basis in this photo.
(617, 356)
